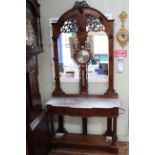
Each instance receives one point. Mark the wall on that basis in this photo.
(55, 8)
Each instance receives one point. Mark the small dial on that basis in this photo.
(122, 36)
(83, 56)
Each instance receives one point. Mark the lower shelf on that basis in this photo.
(86, 142)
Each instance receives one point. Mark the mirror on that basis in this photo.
(68, 69)
(97, 60)
(98, 69)
(83, 53)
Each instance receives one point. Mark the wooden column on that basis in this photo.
(58, 91)
(114, 136)
(61, 128)
(51, 125)
(83, 79)
(109, 126)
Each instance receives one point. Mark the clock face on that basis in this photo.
(83, 56)
(30, 31)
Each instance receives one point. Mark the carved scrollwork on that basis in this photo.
(80, 4)
(94, 24)
(111, 93)
(70, 26)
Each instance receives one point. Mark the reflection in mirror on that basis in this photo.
(99, 66)
(68, 69)
(72, 54)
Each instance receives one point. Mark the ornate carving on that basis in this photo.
(79, 4)
(94, 24)
(70, 25)
(111, 93)
(123, 16)
(58, 92)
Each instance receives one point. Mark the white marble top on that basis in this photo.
(83, 102)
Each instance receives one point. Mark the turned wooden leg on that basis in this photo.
(51, 124)
(109, 126)
(51, 132)
(84, 125)
(61, 128)
(114, 136)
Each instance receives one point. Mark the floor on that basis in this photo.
(123, 150)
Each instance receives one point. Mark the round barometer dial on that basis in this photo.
(82, 56)
(122, 36)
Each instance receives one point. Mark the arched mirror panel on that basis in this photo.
(98, 69)
(83, 53)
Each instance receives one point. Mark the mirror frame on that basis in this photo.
(80, 13)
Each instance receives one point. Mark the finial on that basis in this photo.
(79, 4)
(123, 16)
